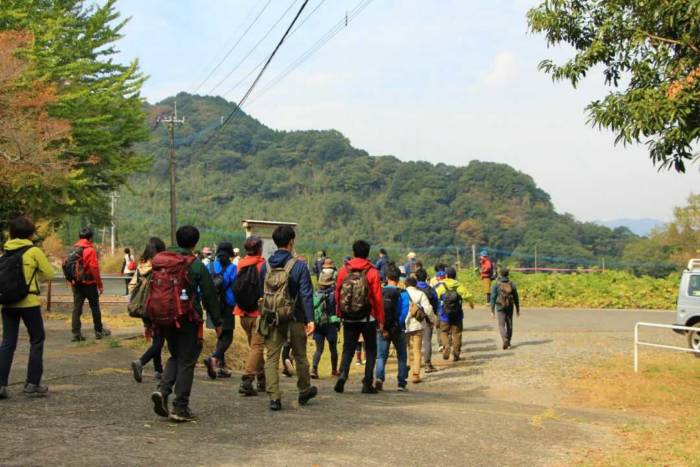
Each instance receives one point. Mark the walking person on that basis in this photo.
(382, 263)
(486, 272)
(411, 265)
(82, 270)
(21, 267)
(180, 322)
(505, 299)
(431, 321)
(128, 268)
(419, 316)
(248, 289)
(451, 295)
(326, 321)
(396, 305)
(360, 305)
(143, 273)
(287, 314)
(223, 273)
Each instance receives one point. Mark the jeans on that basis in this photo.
(255, 362)
(351, 335)
(428, 343)
(505, 324)
(81, 292)
(223, 342)
(10, 332)
(321, 335)
(185, 347)
(399, 342)
(276, 338)
(154, 353)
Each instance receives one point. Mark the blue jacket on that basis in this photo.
(381, 266)
(299, 285)
(404, 304)
(229, 276)
(494, 296)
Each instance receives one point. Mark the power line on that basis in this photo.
(250, 52)
(230, 51)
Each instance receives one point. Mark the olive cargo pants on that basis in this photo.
(276, 338)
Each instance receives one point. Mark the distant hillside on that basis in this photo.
(338, 193)
(641, 227)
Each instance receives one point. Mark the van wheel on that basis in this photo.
(694, 339)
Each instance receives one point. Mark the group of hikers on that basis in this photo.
(177, 293)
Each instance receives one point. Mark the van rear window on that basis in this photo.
(694, 286)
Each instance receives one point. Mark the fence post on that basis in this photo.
(636, 348)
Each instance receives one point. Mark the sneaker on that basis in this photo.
(78, 338)
(379, 385)
(402, 389)
(35, 390)
(160, 404)
(103, 333)
(507, 344)
(276, 405)
(368, 389)
(137, 370)
(182, 415)
(314, 373)
(210, 363)
(358, 362)
(246, 388)
(158, 375)
(456, 358)
(261, 386)
(339, 385)
(288, 367)
(224, 373)
(3, 392)
(416, 379)
(309, 394)
(429, 368)
(446, 353)
(335, 373)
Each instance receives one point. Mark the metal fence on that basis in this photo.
(675, 327)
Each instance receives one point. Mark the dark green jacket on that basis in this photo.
(203, 286)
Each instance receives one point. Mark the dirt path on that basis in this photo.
(495, 408)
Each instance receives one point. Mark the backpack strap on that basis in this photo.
(21, 252)
(290, 264)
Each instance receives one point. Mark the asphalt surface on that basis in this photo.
(494, 408)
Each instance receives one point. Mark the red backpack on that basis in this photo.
(170, 296)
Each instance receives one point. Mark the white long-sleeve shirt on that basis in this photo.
(421, 299)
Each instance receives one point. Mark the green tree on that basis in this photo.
(649, 51)
(73, 50)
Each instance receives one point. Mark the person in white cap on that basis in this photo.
(208, 256)
(410, 267)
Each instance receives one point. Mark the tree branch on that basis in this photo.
(670, 41)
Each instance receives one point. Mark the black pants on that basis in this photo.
(154, 353)
(505, 324)
(287, 352)
(10, 333)
(223, 342)
(81, 292)
(185, 348)
(351, 335)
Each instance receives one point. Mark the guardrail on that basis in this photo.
(637, 342)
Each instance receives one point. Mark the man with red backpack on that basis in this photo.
(82, 270)
(178, 282)
(360, 305)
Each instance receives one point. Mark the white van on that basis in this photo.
(688, 307)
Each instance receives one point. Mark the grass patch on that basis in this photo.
(664, 393)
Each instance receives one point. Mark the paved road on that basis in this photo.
(496, 408)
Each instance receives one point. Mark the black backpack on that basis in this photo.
(217, 278)
(451, 302)
(73, 268)
(13, 285)
(246, 288)
(392, 298)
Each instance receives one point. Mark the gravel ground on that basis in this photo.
(494, 408)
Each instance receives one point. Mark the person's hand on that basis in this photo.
(219, 330)
(385, 333)
(100, 290)
(310, 327)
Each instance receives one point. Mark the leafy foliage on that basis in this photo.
(649, 48)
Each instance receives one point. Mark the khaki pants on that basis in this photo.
(451, 338)
(255, 361)
(274, 341)
(486, 286)
(415, 342)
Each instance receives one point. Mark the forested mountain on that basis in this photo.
(338, 193)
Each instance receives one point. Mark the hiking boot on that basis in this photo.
(314, 373)
(429, 368)
(78, 338)
(402, 388)
(35, 390)
(3, 392)
(210, 363)
(158, 375)
(261, 385)
(182, 415)
(307, 395)
(137, 370)
(103, 333)
(368, 389)
(446, 353)
(224, 373)
(379, 385)
(340, 384)
(276, 405)
(335, 373)
(456, 358)
(288, 367)
(160, 404)
(416, 379)
(507, 344)
(246, 388)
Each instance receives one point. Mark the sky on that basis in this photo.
(442, 80)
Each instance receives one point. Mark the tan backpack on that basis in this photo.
(276, 299)
(415, 311)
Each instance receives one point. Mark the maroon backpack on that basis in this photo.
(170, 296)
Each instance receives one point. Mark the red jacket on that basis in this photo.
(250, 260)
(90, 262)
(486, 268)
(375, 287)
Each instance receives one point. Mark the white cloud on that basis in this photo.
(504, 67)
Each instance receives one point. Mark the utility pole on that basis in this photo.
(171, 122)
(113, 209)
(459, 262)
(473, 256)
(536, 258)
